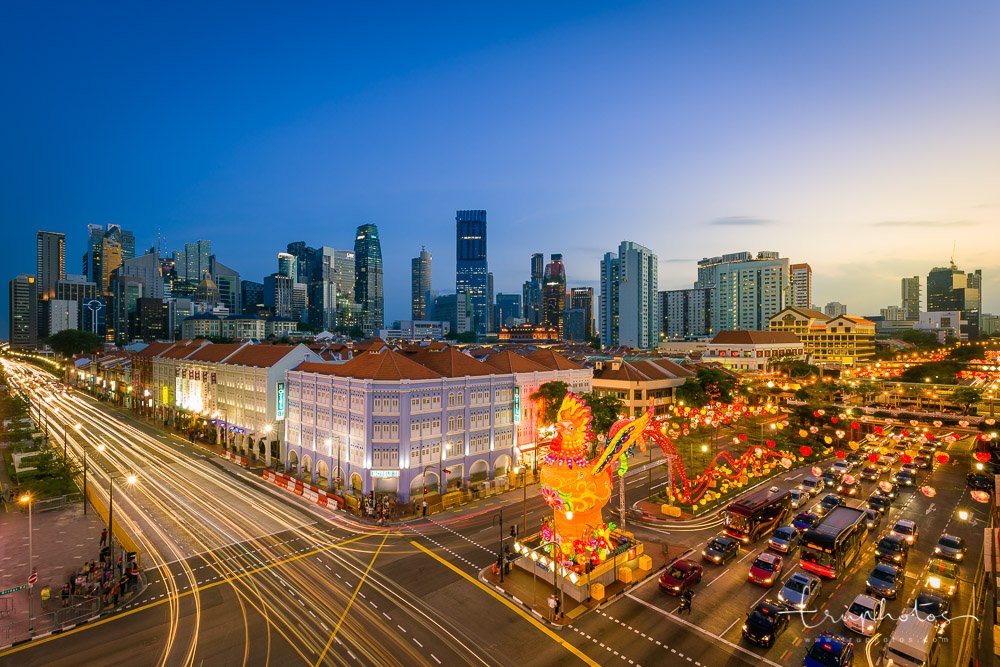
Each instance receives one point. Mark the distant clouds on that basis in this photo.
(925, 223)
(741, 221)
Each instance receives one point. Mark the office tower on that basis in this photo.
(50, 262)
(554, 294)
(835, 309)
(251, 297)
(79, 290)
(456, 309)
(800, 280)
(686, 313)
(471, 266)
(303, 259)
(107, 248)
(61, 314)
(531, 292)
(348, 310)
(749, 289)
(582, 298)
(147, 269)
(629, 301)
(123, 305)
(489, 301)
(195, 261)
(322, 289)
(507, 310)
(278, 295)
(228, 282)
(111, 260)
(152, 320)
(23, 313)
(288, 266)
(420, 284)
(911, 298)
(368, 292)
(951, 289)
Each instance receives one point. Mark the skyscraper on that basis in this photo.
(348, 310)
(420, 284)
(531, 292)
(554, 294)
(800, 278)
(951, 289)
(23, 312)
(471, 266)
(507, 310)
(288, 266)
(629, 301)
(251, 297)
(749, 289)
(107, 248)
(911, 298)
(687, 313)
(228, 281)
(835, 309)
(579, 320)
(368, 292)
(50, 262)
(197, 258)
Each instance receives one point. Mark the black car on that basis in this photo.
(854, 458)
(764, 623)
(831, 480)
(892, 549)
(885, 581)
(879, 503)
(922, 462)
(828, 503)
(805, 520)
(721, 550)
(904, 478)
(930, 604)
(979, 481)
(870, 473)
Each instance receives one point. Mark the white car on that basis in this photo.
(800, 590)
(798, 497)
(841, 467)
(811, 485)
(865, 615)
(906, 529)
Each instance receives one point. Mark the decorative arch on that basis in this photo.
(479, 471)
(428, 479)
(356, 482)
(502, 465)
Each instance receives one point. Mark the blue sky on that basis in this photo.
(859, 137)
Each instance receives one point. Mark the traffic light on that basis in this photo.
(425, 490)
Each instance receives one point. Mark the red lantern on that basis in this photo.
(942, 458)
(855, 425)
(982, 457)
(841, 453)
(928, 491)
(833, 420)
(873, 458)
(906, 458)
(742, 437)
(805, 450)
(879, 430)
(817, 414)
(980, 496)
(771, 444)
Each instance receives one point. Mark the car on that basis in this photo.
(800, 590)
(873, 519)
(840, 467)
(883, 464)
(721, 550)
(890, 458)
(828, 503)
(830, 650)
(765, 622)
(784, 539)
(888, 489)
(679, 576)
(853, 459)
(907, 529)
(849, 488)
(879, 503)
(892, 549)
(871, 473)
(885, 580)
(904, 478)
(766, 569)
(923, 462)
(811, 485)
(979, 482)
(831, 480)
(865, 614)
(805, 520)
(942, 576)
(950, 548)
(934, 607)
(798, 496)
(909, 467)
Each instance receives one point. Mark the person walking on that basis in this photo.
(553, 607)
(424, 505)
(65, 595)
(686, 602)
(104, 536)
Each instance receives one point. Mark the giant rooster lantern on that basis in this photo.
(577, 488)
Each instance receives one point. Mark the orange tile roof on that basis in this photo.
(553, 360)
(754, 338)
(511, 362)
(154, 348)
(452, 363)
(181, 349)
(260, 356)
(387, 365)
(214, 352)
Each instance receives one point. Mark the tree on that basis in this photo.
(718, 384)
(967, 353)
(966, 397)
(692, 394)
(936, 372)
(551, 395)
(69, 342)
(595, 342)
(866, 391)
(917, 338)
(604, 411)
(795, 368)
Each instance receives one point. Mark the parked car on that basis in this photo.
(766, 569)
(871, 473)
(828, 503)
(950, 547)
(679, 576)
(879, 503)
(865, 614)
(942, 576)
(933, 606)
(907, 529)
(805, 520)
(764, 624)
(798, 497)
(892, 549)
(811, 485)
(885, 580)
(721, 550)
(830, 650)
(979, 481)
(784, 539)
(800, 590)
(874, 518)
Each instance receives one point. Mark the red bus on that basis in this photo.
(757, 514)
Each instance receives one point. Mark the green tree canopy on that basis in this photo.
(691, 393)
(719, 385)
(937, 372)
(604, 411)
(917, 338)
(69, 342)
(795, 368)
(966, 397)
(967, 353)
(551, 395)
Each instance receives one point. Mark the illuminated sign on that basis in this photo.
(165, 395)
(280, 404)
(385, 473)
(517, 404)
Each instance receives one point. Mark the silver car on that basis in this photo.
(800, 590)
(950, 548)
(784, 539)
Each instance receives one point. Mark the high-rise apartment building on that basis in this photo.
(348, 310)
(629, 303)
(554, 294)
(368, 290)
(749, 289)
(911, 298)
(687, 313)
(893, 314)
(951, 289)
(50, 262)
(471, 266)
(23, 312)
(278, 295)
(835, 309)
(420, 284)
(800, 282)
(531, 292)
(582, 299)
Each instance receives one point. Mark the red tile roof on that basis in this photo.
(452, 363)
(511, 362)
(154, 348)
(553, 360)
(215, 352)
(387, 365)
(261, 356)
(755, 338)
(182, 349)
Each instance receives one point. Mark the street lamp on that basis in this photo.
(523, 471)
(130, 479)
(26, 500)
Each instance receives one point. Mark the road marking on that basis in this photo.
(731, 625)
(531, 619)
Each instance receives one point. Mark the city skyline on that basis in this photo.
(846, 158)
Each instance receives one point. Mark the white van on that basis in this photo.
(912, 643)
(811, 485)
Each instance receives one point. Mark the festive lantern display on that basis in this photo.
(814, 429)
(879, 430)
(742, 437)
(937, 423)
(906, 458)
(849, 479)
(771, 444)
(855, 425)
(885, 486)
(982, 457)
(963, 424)
(942, 458)
(841, 454)
(817, 471)
(827, 439)
(928, 491)
(803, 433)
(805, 450)
(833, 420)
(786, 463)
(980, 496)
(873, 457)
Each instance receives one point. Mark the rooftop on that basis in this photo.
(755, 338)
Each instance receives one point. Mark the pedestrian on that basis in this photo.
(425, 507)
(553, 607)
(65, 595)
(104, 536)
(558, 609)
(686, 601)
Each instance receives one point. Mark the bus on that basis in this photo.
(757, 514)
(832, 544)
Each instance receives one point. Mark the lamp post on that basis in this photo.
(26, 499)
(523, 471)
(130, 480)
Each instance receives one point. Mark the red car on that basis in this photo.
(679, 576)
(766, 569)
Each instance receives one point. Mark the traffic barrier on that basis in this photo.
(299, 488)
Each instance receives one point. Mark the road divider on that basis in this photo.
(300, 488)
(237, 459)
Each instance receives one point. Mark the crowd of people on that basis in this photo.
(110, 581)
